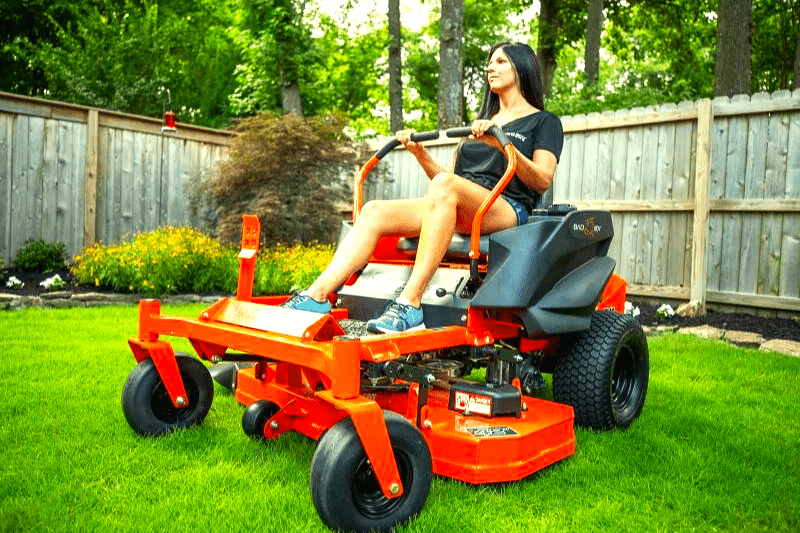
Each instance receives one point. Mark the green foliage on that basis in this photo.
(287, 170)
(164, 261)
(124, 54)
(775, 27)
(41, 256)
(183, 260)
(282, 269)
(223, 59)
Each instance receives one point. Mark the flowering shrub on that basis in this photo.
(183, 260)
(54, 283)
(665, 311)
(282, 269)
(631, 310)
(14, 283)
(164, 261)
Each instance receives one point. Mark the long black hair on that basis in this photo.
(529, 78)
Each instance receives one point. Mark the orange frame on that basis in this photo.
(311, 369)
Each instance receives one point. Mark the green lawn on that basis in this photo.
(717, 448)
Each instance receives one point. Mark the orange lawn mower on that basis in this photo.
(388, 411)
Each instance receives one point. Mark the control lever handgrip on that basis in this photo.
(466, 131)
(416, 137)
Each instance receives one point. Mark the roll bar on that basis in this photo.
(477, 222)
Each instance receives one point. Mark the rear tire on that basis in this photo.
(343, 485)
(604, 372)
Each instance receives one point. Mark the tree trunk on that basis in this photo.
(594, 28)
(290, 99)
(395, 68)
(548, 26)
(451, 79)
(796, 83)
(732, 70)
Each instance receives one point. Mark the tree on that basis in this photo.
(776, 56)
(451, 83)
(732, 69)
(796, 82)
(395, 68)
(548, 28)
(276, 45)
(287, 170)
(594, 27)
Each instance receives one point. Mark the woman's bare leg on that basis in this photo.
(378, 218)
(451, 204)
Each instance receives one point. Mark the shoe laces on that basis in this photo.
(397, 310)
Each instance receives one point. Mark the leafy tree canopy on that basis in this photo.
(226, 59)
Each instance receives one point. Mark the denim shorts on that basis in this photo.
(519, 209)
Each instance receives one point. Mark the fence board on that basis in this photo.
(679, 248)
(6, 129)
(734, 164)
(774, 187)
(755, 168)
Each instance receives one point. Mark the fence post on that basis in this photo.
(90, 180)
(697, 293)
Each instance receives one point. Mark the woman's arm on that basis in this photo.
(536, 173)
(428, 163)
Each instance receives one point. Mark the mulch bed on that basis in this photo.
(769, 328)
(32, 281)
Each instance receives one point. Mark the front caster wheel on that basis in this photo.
(256, 416)
(604, 373)
(343, 484)
(147, 405)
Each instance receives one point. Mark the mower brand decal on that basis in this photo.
(473, 403)
(492, 431)
(588, 229)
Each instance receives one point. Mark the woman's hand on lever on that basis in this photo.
(479, 129)
(415, 148)
(429, 165)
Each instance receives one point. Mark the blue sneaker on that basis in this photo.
(397, 318)
(303, 302)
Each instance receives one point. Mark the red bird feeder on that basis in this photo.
(169, 121)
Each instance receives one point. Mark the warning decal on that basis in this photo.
(493, 431)
(473, 403)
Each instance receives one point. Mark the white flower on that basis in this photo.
(631, 310)
(665, 311)
(14, 283)
(53, 284)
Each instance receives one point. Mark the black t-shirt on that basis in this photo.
(485, 165)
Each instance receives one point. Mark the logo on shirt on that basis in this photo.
(516, 135)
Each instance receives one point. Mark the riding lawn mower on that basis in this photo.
(458, 399)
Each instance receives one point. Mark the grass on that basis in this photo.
(717, 448)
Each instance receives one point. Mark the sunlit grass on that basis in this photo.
(716, 449)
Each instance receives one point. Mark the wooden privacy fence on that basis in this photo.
(79, 175)
(705, 196)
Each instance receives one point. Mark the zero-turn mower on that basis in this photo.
(388, 411)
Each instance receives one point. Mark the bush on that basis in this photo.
(165, 261)
(41, 256)
(292, 172)
(183, 260)
(282, 269)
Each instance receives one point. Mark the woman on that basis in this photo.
(513, 101)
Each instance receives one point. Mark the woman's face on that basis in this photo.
(500, 72)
